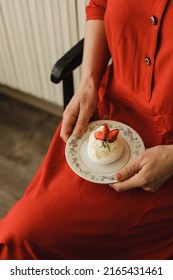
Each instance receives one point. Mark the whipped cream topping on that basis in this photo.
(103, 152)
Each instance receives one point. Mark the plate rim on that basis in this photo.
(91, 126)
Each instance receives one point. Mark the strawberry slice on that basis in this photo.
(105, 128)
(100, 135)
(112, 135)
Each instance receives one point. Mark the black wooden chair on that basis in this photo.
(63, 70)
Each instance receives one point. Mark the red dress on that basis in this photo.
(62, 216)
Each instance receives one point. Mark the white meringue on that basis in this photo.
(103, 152)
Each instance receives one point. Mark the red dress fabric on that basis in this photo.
(62, 216)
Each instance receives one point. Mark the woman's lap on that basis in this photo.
(62, 216)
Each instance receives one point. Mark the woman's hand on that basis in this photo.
(95, 59)
(148, 171)
(78, 112)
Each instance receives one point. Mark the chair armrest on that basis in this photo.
(67, 63)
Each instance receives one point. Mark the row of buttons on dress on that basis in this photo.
(154, 22)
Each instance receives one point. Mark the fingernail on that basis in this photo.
(118, 176)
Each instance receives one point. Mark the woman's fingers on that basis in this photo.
(82, 121)
(69, 121)
(129, 170)
(131, 183)
(148, 171)
(78, 113)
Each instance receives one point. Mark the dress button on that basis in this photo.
(153, 20)
(147, 61)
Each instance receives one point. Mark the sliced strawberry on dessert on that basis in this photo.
(106, 128)
(100, 135)
(112, 135)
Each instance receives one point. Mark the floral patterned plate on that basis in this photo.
(81, 164)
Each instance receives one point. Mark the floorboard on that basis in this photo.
(25, 135)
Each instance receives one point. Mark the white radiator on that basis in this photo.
(33, 35)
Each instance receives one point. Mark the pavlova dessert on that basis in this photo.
(105, 146)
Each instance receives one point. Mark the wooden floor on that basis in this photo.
(25, 134)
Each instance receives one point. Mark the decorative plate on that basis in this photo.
(82, 165)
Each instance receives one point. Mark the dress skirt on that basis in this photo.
(62, 216)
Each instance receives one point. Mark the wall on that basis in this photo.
(33, 35)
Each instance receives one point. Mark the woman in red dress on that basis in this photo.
(62, 216)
